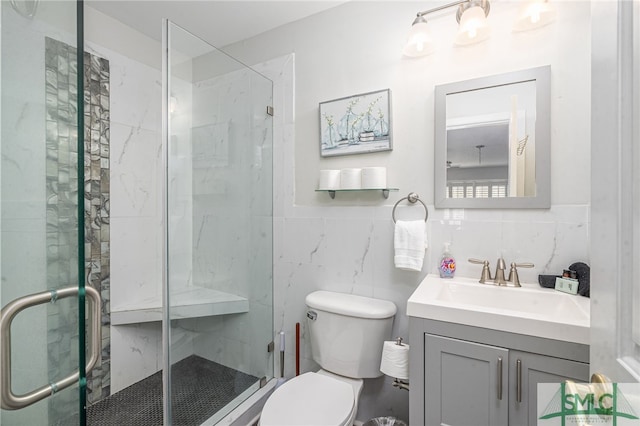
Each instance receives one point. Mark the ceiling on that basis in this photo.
(220, 23)
(479, 146)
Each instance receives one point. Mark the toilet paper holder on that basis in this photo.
(397, 383)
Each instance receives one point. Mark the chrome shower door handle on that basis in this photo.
(10, 401)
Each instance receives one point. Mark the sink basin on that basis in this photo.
(530, 309)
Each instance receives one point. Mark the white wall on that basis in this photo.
(346, 244)
(356, 48)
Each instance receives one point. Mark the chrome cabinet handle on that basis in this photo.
(10, 401)
(519, 381)
(499, 378)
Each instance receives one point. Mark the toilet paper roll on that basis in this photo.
(329, 179)
(395, 360)
(351, 179)
(374, 177)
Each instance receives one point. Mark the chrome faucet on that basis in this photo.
(500, 267)
(485, 276)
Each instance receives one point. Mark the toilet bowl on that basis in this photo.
(313, 399)
(346, 333)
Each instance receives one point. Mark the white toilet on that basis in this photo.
(347, 334)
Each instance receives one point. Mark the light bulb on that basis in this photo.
(535, 17)
(419, 42)
(535, 14)
(473, 26)
(472, 32)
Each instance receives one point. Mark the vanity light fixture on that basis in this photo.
(474, 28)
(471, 15)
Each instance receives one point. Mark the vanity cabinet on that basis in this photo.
(465, 382)
(463, 375)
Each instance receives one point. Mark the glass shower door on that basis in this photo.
(218, 130)
(40, 257)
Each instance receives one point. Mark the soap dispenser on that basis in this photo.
(447, 265)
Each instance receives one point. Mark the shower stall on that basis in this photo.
(88, 338)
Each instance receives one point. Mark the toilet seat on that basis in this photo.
(311, 399)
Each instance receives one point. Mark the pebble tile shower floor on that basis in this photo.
(199, 389)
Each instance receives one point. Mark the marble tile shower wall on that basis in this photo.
(135, 211)
(62, 189)
(232, 236)
(136, 226)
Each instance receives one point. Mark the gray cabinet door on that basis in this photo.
(465, 383)
(536, 369)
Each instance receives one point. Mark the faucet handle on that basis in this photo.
(486, 272)
(513, 273)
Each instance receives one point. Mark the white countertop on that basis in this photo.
(530, 309)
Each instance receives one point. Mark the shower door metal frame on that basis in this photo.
(166, 322)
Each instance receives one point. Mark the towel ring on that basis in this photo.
(412, 198)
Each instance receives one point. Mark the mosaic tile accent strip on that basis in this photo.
(62, 195)
(96, 201)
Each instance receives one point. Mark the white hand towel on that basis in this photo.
(410, 242)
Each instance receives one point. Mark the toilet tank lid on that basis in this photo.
(350, 305)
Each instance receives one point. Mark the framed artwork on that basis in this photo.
(357, 124)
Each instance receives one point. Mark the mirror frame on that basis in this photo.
(542, 199)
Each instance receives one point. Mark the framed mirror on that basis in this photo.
(492, 141)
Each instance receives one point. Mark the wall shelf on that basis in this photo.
(332, 192)
(189, 302)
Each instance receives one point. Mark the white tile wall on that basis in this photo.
(136, 219)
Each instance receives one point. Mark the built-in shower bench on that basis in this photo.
(188, 302)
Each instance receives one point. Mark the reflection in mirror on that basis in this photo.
(492, 141)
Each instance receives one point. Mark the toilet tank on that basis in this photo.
(347, 332)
